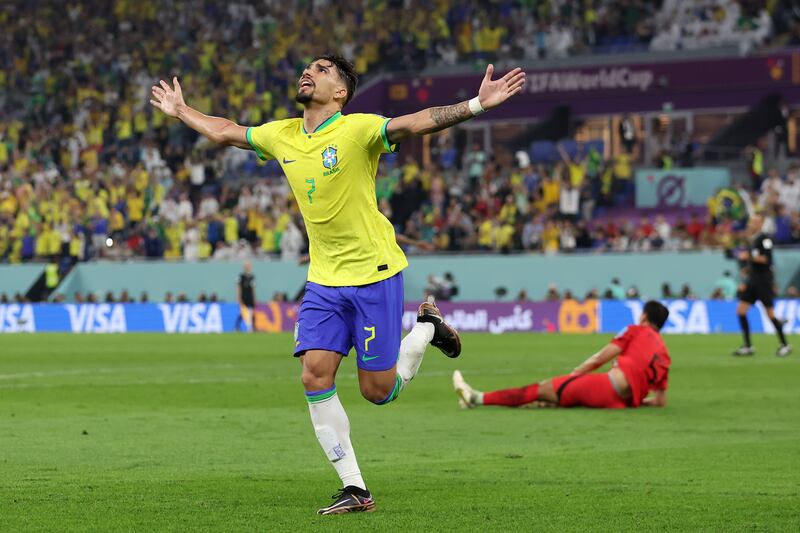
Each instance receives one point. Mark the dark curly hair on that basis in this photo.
(346, 71)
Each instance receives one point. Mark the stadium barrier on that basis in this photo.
(594, 316)
(478, 276)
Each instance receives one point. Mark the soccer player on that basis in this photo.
(759, 286)
(641, 366)
(354, 294)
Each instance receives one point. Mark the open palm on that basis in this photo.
(166, 98)
(494, 92)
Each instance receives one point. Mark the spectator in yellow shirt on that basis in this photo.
(116, 221)
(486, 235)
(4, 151)
(508, 213)
(135, 203)
(575, 167)
(5, 239)
(267, 235)
(550, 237)
(504, 240)
(231, 231)
(623, 174)
(622, 167)
(551, 191)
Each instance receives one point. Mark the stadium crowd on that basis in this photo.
(88, 170)
(485, 204)
(694, 24)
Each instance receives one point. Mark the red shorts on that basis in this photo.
(589, 390)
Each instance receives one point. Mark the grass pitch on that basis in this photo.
(183, 433)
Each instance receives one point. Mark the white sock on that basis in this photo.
(333, 432)
(412, 349)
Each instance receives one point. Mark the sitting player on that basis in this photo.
(642, 366)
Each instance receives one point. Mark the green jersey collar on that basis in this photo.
(330, 120)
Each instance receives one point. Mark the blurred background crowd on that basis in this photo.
(88, 170)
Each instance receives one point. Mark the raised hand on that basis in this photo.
(166, 98)
(494, 92)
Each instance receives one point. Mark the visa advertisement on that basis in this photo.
(598, 316)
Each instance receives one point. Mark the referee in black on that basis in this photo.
(246, 296)
(759, 285)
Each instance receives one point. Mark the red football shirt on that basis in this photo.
(644, 361)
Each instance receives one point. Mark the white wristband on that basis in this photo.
(475, 106)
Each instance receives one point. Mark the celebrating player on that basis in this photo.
(354, 294)
(642, 366)
(759, 286)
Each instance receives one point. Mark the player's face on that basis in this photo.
(320, 83)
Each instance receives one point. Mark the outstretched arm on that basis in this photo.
(216, 129)
(491, 94)
(609, 352)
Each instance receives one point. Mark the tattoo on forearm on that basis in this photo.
(449, 115)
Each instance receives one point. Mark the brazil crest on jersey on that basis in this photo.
(332, 174)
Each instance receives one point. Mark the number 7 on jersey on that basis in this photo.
(311, 190)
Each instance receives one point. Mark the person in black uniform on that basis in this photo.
(246, 296)
(759, 285)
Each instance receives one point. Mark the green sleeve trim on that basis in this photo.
(390, 148)
(259, 153)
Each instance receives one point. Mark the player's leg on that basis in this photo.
(246, 317)
(588, 390)
(745, 301)
(432, 329)
(445, 337)
(385, 364)
(376, 330)
(332, 428)
(252, 316)
(515, 397)
(784, 349)
(322, 336)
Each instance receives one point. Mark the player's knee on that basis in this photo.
(547, 392)
(376, 392)
(315, 378)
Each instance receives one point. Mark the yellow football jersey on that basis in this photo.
(331, 172)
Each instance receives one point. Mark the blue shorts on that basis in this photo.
(368, 318)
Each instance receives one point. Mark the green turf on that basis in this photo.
(181, 433)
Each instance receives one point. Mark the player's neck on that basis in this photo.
(313, 117)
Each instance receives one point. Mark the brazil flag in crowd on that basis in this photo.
(727, 204)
